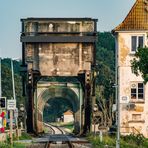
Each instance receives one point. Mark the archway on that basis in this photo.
(55, 110)
(69, 92)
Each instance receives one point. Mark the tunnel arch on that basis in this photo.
(70, 92)
(55, 108)
(56, 92)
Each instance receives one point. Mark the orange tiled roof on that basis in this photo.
(137, 18)
(68, 112)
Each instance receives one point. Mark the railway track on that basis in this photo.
(54, 129)
(58, 138)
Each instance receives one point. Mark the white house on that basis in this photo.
(68, 116)
(132, 93)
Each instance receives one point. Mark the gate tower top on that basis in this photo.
(59, 46)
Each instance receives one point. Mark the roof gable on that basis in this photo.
(68, 112)
(137, 18)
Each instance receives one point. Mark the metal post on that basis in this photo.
(11, 126)
(117, 100)
(0, 79)
(0, 82)
(117, 119)
(101, 136)
(14, 96)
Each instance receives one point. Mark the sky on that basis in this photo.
(109, 13)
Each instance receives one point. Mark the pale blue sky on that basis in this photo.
(108, 12)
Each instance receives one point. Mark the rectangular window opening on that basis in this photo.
(137, 91)
(140, 42)
(136, 42)
(136, 117)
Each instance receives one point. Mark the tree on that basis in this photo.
(105, 59)
(140, 63)
(7, 89)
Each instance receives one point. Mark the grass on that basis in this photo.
(5, 145)
(95, 140)
(15, 145)
(130, 141)
(69, 126)
(25, 136)
(19, 145)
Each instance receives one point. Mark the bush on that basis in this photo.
(19, 145)
(129, 141)
(5, 145)
(25, 136)
(137, 139)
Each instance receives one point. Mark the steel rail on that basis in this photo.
(53, 127)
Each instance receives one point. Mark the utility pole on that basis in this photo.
(11, 111)
(13, 85)
(11, 126)
(14, 95)
(117, 99)
(0, 79)
(117, 118)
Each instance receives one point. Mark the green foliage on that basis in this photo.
(105, 59)
(140, 63)
(129, 141)
(95, 140)
(106, 40)
(5, 145)
(25, 136)
(69, 126)
(137, 139)
(15, 145)
(55, 108)
(7, 90)
(19, 145)
(16, 65)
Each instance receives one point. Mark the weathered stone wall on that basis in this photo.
(59, 59)
(65, 59)
(126, 79)
(71, 92)
(59, 26)
(58, 47)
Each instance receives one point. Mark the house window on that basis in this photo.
(136, 117)
(137, 91)
(136, 42)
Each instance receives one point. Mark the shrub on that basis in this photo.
(4, 145)
(25, 136)
(137, 139)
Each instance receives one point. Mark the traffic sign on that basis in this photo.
(11, 104)
(124, 99)
(2, 102)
